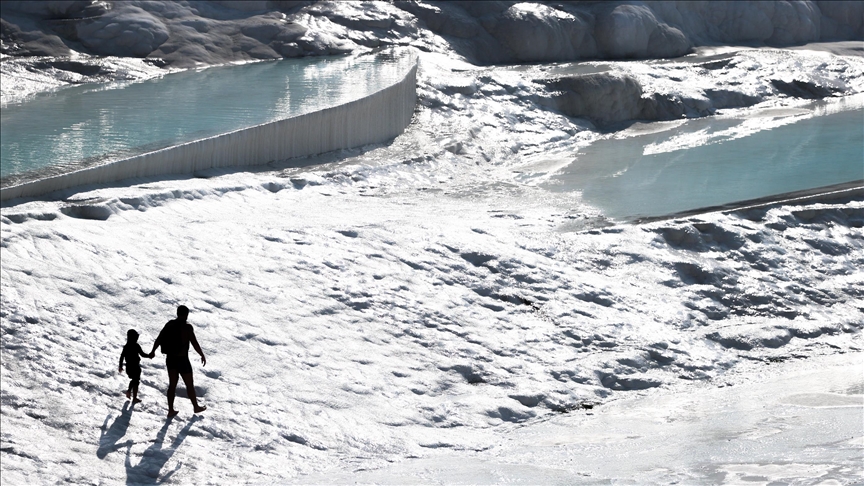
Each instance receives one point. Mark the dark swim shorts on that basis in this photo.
(179, 364)
(133, 372)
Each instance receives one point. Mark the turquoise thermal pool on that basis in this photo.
(71, 128)
(674, 167)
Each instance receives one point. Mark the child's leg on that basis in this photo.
(129, 389)
(135, 390)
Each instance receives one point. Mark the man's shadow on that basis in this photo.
(156, 456)
(110, 435)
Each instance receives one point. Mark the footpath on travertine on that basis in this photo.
(799, 420)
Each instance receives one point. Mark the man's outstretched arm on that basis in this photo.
(197, 348)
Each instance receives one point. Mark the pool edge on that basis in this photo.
(334, 128)
(846, 190)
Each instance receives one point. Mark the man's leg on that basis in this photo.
(173, 377)
(190, 390)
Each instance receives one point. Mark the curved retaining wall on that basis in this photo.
(376, 118)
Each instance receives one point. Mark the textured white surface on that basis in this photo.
(791, 422)
(425, 305)
(408, 301)
(351, 324)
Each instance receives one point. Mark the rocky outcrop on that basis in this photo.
(633, 31)
(536, 32)
(210, 32)
(568, 31)
(604, 98)
(613, 95)
(608, 99)
(123, 31)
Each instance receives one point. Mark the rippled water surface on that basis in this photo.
(89, 124)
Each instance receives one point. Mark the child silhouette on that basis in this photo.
(131, 353)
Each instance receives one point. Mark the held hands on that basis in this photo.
(120, 370)
(151, 355)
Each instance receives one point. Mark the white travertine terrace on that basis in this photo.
(376, 118)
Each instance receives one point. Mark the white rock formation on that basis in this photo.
(633, 31)
(186, 34)
(535, 32)
(126, 30)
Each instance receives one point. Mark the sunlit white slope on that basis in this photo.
(346, 331)
(796, 422)
(412, 300)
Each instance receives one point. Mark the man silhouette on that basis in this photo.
(174, 339)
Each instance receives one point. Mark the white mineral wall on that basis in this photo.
(376, 118)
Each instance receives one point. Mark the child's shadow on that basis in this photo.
(154, 458)
(110, 435)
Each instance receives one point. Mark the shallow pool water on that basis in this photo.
(667, 168)
(92, 124)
